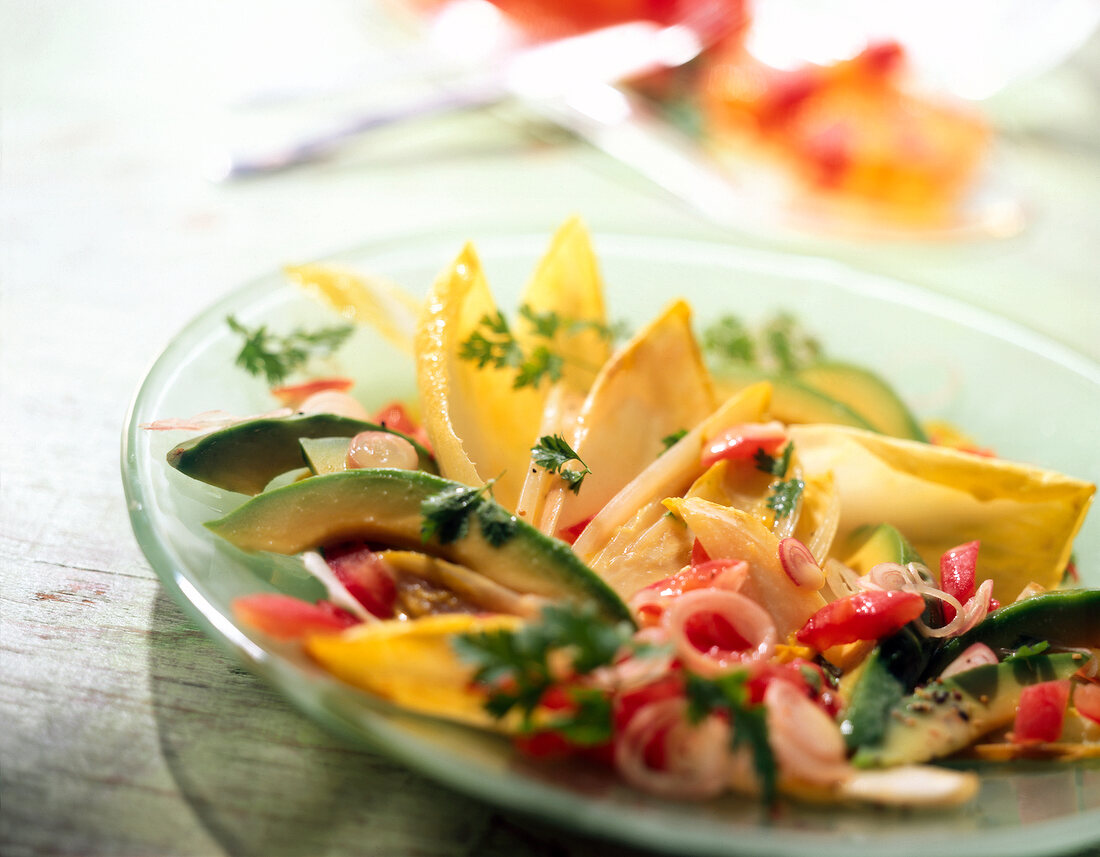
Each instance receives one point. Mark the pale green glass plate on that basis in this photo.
(1026, 396)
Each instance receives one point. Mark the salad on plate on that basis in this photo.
(714, 563)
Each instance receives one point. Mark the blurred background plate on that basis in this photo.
(943, 356)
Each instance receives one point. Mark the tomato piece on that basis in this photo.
(695, 576)
(292, 395)
(713, 632)
(808, 677)
(1086, 699)
(569, 535)
(743, 442)
(396, 416)
(288, 618)
(1041, 712)
(699, 553)
(868, 615)
(630, 702)
(365, 576)
(958, 575)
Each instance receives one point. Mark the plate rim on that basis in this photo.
(577, 814)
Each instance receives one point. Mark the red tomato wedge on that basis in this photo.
(743, 442)
(868, 615)
(365, 576)
(1041, 712)
(1086, 699)
(396, 416)
(287, 618)
(958, 575)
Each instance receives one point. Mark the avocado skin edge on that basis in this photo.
(1067, 617)
(383, 506)
(946, 715)
(246, 456)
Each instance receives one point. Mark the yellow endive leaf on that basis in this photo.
(567, 283)
(673, 472)
(362, 299)
(1025, 517)
(727, 533)
(481, 428)
(652, 387)
(412, 663)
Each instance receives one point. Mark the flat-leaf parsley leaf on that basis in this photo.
(552, 453)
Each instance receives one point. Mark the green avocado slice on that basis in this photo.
(946, 715)
(245, 457)
(867, 394)
(1069, 618)
(792, 400)
(871, 544)
(384, 506)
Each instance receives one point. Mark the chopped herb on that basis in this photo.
(775, 466)
(779, 345)
(670, 440)
(515, 667)
(276, 356)
(589, 724)
(748, 723)
(543, 363)
(497, 523)
(552, 453)
(811, 676)
(446, 516)
(784, 497)
(494, 344)
(1029, 651)
(729, 339)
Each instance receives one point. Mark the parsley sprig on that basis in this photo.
(446, 515)
(729, 695)
(552, 453)
(778, 345)
(276, 356)
(516, 667)
(784, 494)
(494, 344)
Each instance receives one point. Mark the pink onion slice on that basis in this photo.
(748, 618)
(698, 754)
(806, 741)
(976, 655)
(381, 449)
(800, 565)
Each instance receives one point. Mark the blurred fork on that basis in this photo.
(546, 74)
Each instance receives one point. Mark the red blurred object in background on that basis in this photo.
(552, 19)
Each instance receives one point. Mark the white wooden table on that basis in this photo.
(123, 731)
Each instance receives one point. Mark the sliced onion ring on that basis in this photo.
(748, 618)
(800, 565)
(976, 655)
(698, 755)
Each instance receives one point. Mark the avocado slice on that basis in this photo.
(325, 454)
(383, 506)
(871, 544)
(946, 715)
(876, 692)
(792, 400)
(874, 543)
(245, 457)
(1068, 617)
(866, 394)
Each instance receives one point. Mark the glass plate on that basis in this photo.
(1026, 396)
